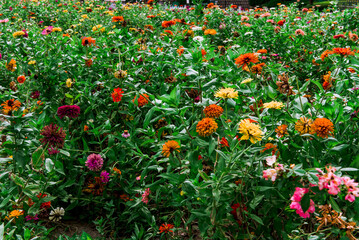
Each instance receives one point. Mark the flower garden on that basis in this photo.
(150, 122)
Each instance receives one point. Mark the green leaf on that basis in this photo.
(27, 234)
(2, 231)
(256, 218)
(5, 201)
(300, 172)
(49, 165)
(340, 147)
(148, 116)
(254, 203)
(334, 204)
(349, 169)
(305, 202)
(69, 95)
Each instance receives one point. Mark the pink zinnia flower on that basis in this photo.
(299, 32)
(105, 177)
(47, 30)
(145, 196)
(296, 198)
(270, 173)
(4, 20)
(339, 36)
(94, 162)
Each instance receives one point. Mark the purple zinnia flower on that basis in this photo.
(53, 136)
(71, 111)
(94, 162)
(35, 95)
(105, 176)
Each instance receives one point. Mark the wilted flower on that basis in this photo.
(57, 214)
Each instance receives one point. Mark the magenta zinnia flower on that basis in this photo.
(35, 94)
(53, 136)
(47, 30)
(105, 176)
(71, 111)
(94, 162)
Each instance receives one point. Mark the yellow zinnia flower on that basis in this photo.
(169, 147)
(274, 105)
(304, 126)
(57, 29)
(18, 34)
(226, 93)
(32, 62)
(69, 83)
(250, 131)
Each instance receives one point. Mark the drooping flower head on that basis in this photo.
(53, 136)
(250, 131)
(213, 111)
(323, 127)
(206, 127)
(71, 111)
(117, 94)
(226, 93)
(94, 162)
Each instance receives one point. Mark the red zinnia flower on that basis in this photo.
(117, 94)
(281, 22)
(21, 79)
(224, 142)
(87, 41)
(166, 228)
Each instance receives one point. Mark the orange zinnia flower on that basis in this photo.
(166, 24)
(213, 111)
(10, 105)
(21, 79)
(142, 100)
(210, 32)
(117, 94)
(281, 130)
(169, 147)
(66, 35)
(325, 54)
(206, 127)
(257, 68)
(343, 51)
(87, 41)
(169, 32)
(11, 66)
(117, 19)
(323, 127)
(86, 128)
(180, 50)
(245, 59)
(262, 51)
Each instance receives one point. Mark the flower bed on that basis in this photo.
(178, 123)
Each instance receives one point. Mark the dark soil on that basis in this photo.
(72, 227)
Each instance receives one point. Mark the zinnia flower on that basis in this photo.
(213, 111)
(87, 41)
(142, 100)
(53, 136)
(304, 126)
(166, 24)
(35, 94)
(21, 79)
(210, 32)
(323, 127)
(166, 228)
(120, 74)
(18, 34)
(47, 30)
(226, 93)
(343, 51)
(11, 66)
(117, 19)
(10, 106)
(273, 105)
(206, 127)
(105, 177)
(169, 147)
(71, 111)
(57, 214)
(281, 130)
(117, 94)
(250, 131)
(94, 162)
(244, 59)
